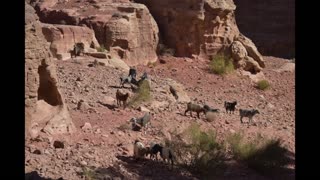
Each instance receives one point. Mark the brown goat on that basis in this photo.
(120, 96)
(194, 108)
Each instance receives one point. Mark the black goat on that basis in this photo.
(230, 106)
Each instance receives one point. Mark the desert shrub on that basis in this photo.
(221, 64)
(199, 152)
(143, 94)
(262, 155)
(88, 173)
(263, 84)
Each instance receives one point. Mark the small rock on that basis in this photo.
(58, 144)
(269, 105)
(232, 131)
(82, 105)
(74, 101)
(143, 109)
(162, 61)
(285, 127)
(98, 131)
(34, 133)
(86, 126)
(37, 151)
(188, 60)
(87, 155)
(120, 133)
(46, 152)
(112, 132)
(79, 79)
(83, 163)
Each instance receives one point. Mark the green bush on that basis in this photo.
(263, 84)
(221, 64)
(143, 94)
(202, 154)
(88, 173)
(262, 155)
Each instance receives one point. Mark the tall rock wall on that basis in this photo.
(199, 27)
(204, 28)
(126, 29)
(44, 105)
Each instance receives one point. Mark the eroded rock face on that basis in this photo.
(201, 27)
(195, 26)
(44, 105)
(246, 55)
(125, 29)
(62, 39)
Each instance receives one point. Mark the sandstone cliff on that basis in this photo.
(63, 37)
(125, 29)
(202, 27)
(44, 104)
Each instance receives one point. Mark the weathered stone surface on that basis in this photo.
(200, 27)
(127, 30)
(64, 37)
(44, 104)
(251, 49)
(238, 51)
(195, 27)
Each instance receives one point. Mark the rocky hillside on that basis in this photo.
(103, 143)
(76, 130)
(271, 25)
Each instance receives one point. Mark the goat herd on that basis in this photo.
(140, 151)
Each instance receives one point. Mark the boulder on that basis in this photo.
(182, 95)
(238, 51)
(251, 49)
